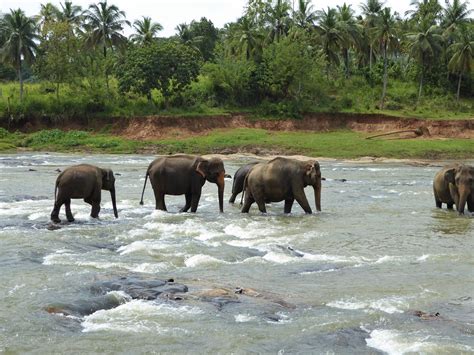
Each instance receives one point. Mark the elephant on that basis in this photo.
(239, 177)
(82, 181)
(282, 179)
(184, 175)
(454, 185)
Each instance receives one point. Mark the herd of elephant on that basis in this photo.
(280, 179)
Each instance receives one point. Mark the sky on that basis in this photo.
(171, 13)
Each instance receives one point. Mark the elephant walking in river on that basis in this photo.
(184, 175)
(454, 185)
(82, 181)
(282, 179)
(239, 178)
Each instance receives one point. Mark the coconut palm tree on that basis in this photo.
(305, 16)
(371, 11)
(330, 36)
(455, 14)
(146, 30)
(19, 35)
(385, 33)
(48, 13)
(104, 25)
(278, 18)
(424, 45)
(424, 10)
(249, 39)
(462, 56)
(350, 31)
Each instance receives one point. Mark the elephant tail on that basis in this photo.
(243, 189)
(144, 185)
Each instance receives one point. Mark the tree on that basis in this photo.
(48, 13)
(330, 36)
(371, 11)
(20, 33)
(71, 14)
(462, 56)
(455, 15)
(278, 19)
(305, 16)
(427, 11)
(424, 46)
(385, 32)
(201, 34)
(167, 66)
(249, 39)
(350, 32)
(146, 30)
(56, 61)
(104, 25)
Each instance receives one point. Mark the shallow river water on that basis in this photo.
(348, 280)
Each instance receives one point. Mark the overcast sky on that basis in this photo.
(170, 13)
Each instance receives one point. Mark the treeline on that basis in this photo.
(278, 58)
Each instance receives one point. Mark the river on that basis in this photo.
(351, 279)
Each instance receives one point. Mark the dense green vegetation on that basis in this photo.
(275, 60)
(338, 144)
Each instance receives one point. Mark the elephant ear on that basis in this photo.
(311, 167)
(202, 167)
(449, 175)
(106, 174)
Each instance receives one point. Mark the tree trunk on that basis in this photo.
(346, 61)
(20, 76)
(385, 77)
(57, 91)
(370, 58)
(420, 88)
(459, 86)
(106, 69)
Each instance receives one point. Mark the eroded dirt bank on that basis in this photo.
(156, 127)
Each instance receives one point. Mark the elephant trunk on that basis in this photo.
(114, 203)
(463, 195)
(317, 195)
(220, 187)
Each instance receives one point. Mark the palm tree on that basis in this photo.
(462, 55)
(385, 32)
(424, 46)
(19, 32)
(278, 17)
(330, 36)
(146, 30)
(71, 14)
(305, 16)
(425, 10)
(350, 31)
(455, 14)
(48, 13)
(371, 11)
(103, 26)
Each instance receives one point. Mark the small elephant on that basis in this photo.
(184, 175)
(82, 181)
(282, 179)
(454, 185)
(239, 177)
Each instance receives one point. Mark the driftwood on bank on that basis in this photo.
(420, 131)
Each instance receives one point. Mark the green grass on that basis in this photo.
(337, 144)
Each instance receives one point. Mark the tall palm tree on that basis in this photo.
(104, 25)
(278, 17)
(48, 13)
(249, 38)
(330, 36)
(462, 56)
(424, 45)
(71, 14)
(371, 11)
(19, 32)
(455, 14)
(385, 32)
(424, 10)
(305, 16)
(350, 32)
(146, 30)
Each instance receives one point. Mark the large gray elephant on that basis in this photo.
(184, 175)
(239, 177)
(82, 181)
(454, 185)
(282, 179)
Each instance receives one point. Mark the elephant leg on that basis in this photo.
(247, 203)
(159, 200)
(196, 196)
(95, 209)
(186, 207)
(233, 197)
(450, 205)
(69, 216)
(55, 212)
(470, 204)
(288, 205)
(303, 202)
(261, 205)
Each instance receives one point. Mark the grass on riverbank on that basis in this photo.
(337, 144)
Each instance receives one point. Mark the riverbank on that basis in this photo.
(339, 136)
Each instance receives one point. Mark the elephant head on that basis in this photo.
(213, 171)
(461, 180)
(108, 183)
(312, 177)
